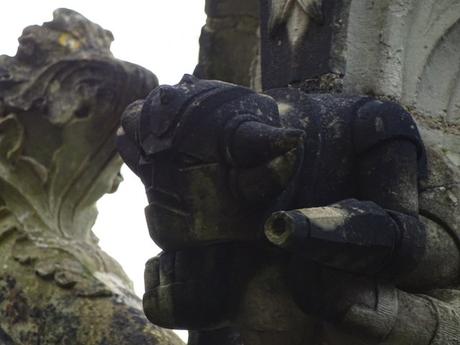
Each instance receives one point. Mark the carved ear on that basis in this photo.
(254, 143)
(167, 94)
(188, 79)
(263, 183)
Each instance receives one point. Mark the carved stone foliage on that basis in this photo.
(61, 97)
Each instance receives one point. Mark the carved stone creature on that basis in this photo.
(294, 218)
(61, 98)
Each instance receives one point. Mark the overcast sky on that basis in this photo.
(161, 35)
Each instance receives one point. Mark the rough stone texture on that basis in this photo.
(300, 40)
(406, 50)
(403, 50)
(230, 42)
(61, 97)
(294, 218)
(413, 55)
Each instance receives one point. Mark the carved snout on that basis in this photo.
(264, 182)
(266, 159)
(254, 143)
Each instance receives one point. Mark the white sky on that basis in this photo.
(161, 35)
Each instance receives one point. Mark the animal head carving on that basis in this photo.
(215, 162)
(213, 159)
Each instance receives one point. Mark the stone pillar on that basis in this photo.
(230, 42)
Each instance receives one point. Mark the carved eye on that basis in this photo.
(255, 143)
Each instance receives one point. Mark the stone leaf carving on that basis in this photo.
(61, 98)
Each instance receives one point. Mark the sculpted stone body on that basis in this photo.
(289, 218)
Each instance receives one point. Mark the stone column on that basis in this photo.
(230, 42)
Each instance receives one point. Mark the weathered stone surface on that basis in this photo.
(220, 178)
(294, 218)
(301, 39)
(412, 53)
(230, 42)
(61, 97)
(232, 8)
(405, 50)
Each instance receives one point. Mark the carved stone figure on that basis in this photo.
(400, 50)
(61, 98)
(294, 218)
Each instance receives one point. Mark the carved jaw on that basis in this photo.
(197, 288)
(225, 285)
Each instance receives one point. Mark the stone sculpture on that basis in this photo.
(294, 218)
(294, 293)
(61, 98)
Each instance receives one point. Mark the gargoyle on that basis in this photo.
(294, 218)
